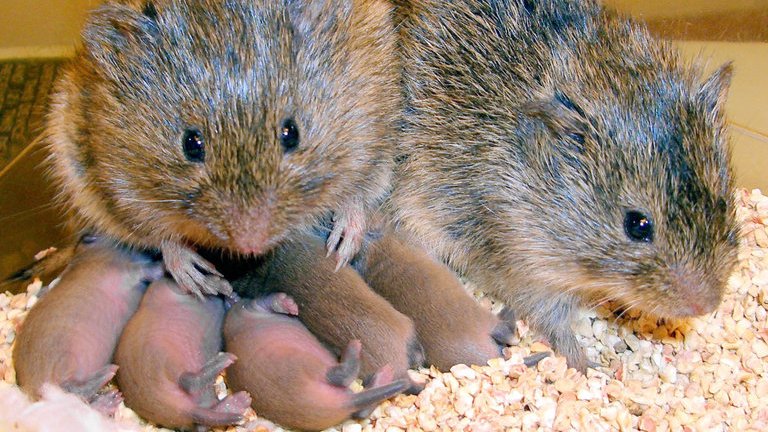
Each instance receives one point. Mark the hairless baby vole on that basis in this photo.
(169, 357)
(69, 336)
(557, 155)
(226, 124)
(451, 326)
(301, 384)
(336, 307)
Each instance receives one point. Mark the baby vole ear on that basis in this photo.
(112, 29)
(714, 91)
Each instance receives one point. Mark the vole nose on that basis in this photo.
(698, 293)
(249, 227)
(695, 308)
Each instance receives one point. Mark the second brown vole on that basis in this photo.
(557, 155)
(230, 125)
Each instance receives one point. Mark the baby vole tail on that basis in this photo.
(227, 412)
(88, 387)
(380, 388)
(348, 368)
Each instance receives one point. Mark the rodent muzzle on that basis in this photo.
(696, 293)
(250, 229)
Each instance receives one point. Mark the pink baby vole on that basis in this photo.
(451, 326)
(70, 334)
(336, 306)
(299, 382)
(169, 357)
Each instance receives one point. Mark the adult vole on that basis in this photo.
(557, 155)
(226, 124)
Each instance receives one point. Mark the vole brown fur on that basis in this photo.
(169, 357)
(557, 156)
(336, 307)
(185, 123)
(451, 326)
(69, 335)
(301, 383)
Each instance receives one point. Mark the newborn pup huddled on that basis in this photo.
(70, 334)
(300, 383)
(169, 357)
(450, 325)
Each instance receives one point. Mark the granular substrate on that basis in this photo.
(702, 374)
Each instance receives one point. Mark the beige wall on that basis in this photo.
(672, 8)
(40, 28)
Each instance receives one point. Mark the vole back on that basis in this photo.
(227, 124)
(556, 154)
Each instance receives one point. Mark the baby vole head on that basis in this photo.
(225, 123)
(634, 149)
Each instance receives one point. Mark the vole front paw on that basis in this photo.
(192, 272)
(504, 333)
(564, 342)
(347, 234)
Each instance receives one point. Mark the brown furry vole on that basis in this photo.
(557, 155)
(226, 124)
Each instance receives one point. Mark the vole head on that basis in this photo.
(635, 156)
(225, 123)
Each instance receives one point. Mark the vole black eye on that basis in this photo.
(638, 226)
(289, 135)
(193, 145)
(149, 10)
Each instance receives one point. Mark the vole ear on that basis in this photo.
(113, 29)
(563, 118)
(714, 91)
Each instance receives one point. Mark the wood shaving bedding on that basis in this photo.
(706, 373)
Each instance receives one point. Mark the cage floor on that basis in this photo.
(707, 373)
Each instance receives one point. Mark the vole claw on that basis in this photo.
(107, 403)
(347, 235)
(192, 272)
(534, 359)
